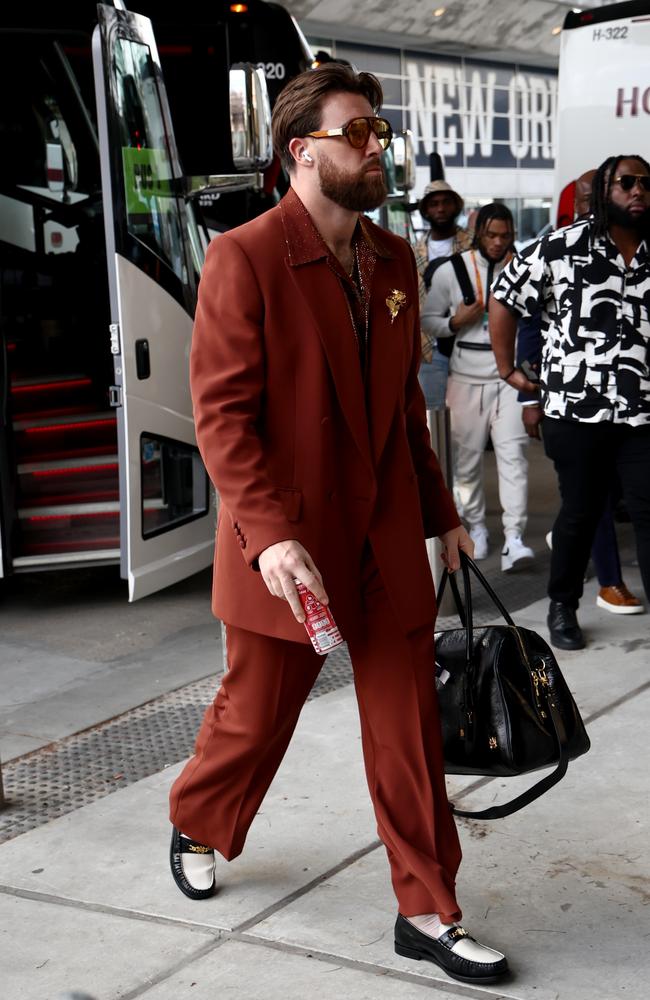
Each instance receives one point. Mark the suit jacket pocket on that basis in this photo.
(291, 501)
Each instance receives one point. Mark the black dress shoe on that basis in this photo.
(412, 943)
(181, 846)
(563, 627)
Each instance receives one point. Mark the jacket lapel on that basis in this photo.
(388, 349)
(325, 299)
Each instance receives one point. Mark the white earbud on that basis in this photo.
(307, 157)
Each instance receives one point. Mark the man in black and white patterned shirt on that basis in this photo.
(591, 284)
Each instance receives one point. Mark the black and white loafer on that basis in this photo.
(192, 866)
(412, 943)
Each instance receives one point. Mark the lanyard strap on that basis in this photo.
(490, 274)
(479, 283)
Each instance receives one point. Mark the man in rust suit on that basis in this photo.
(312, 426)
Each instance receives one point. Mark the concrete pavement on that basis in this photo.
(87, 901)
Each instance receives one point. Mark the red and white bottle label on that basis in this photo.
(321, 627)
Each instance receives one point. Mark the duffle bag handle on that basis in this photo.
(466, 564)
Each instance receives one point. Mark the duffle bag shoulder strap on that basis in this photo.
(465, 613)
(541, 786)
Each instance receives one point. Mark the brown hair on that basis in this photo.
(298, 108)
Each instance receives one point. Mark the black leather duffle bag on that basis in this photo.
(505, 707)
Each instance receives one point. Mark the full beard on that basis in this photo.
(357, 192)
(621, 217)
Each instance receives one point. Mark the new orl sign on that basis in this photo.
(480, 115)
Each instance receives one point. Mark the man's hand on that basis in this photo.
(285, 562)
(453, 540)
(518, 381)
(532, 416)
(466, 315)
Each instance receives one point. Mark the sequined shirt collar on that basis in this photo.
(305, 244)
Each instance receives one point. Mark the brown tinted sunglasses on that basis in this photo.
(357, 132)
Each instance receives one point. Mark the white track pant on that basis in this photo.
(479, 411)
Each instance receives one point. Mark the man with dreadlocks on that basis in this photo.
(591, 284)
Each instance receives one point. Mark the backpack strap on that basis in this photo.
(431, 268)
(463, 279)
(446, 344)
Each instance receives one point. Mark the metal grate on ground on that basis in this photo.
(87, 766)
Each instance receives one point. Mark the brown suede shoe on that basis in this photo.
(619, 601)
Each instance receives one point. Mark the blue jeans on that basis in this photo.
(433, 380)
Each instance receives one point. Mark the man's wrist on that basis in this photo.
(452, 320)
(506, 375)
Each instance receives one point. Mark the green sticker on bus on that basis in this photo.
(147, 175)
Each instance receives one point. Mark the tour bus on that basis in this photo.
(197, 42)
(603, 92)
(100, 253)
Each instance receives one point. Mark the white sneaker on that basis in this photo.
(515, 554)
(479, 535)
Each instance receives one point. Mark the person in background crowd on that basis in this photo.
(591, 284)
(613, 595)
(440, 206)
(480, 404)
(312, 426)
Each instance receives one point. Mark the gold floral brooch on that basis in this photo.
(395, 300)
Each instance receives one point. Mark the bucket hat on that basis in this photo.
(437, 187)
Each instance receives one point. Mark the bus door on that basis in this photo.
(167, 522)
(4, 477)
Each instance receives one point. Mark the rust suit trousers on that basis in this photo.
(246, 731)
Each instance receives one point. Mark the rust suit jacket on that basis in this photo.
(294, 443)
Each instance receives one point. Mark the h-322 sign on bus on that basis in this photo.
(603, 91)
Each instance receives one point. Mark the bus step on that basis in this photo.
(50, 438)
(54, 393)
(90, 479)
(65, 528)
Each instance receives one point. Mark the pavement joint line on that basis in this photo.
(114, 911)
(281, 904)
(222, 936)
(331, 958)
(606, 709)
(164, 976)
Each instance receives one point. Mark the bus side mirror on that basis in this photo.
(54, 169)
(250, 118)
(404, 160)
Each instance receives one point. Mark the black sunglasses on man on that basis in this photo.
(627, 181)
